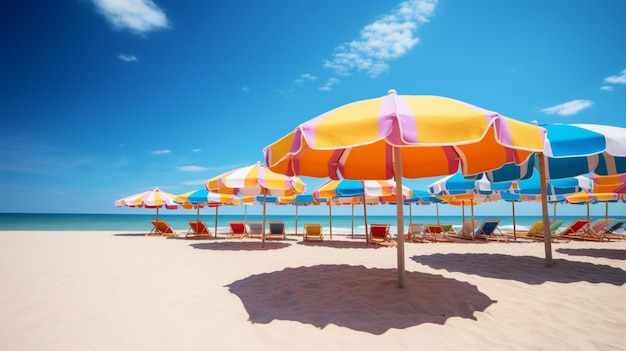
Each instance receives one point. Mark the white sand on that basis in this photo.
(101, 291)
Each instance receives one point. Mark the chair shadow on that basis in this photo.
(130, 234)
(605, 253)
(341, 244)
(356, 297)
(240, 245)
(525, 269)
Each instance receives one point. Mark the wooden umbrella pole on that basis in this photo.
(352, 204)
(547, 240)
(514, 227)
(397, 171)
(330, 218)
(216, 207)
(296, 219)
(367, 237)
(263, 229)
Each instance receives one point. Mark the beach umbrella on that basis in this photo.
(256, 180)
(398, 136)
(200, 198)
(588, 198)
(155, 198)
(421, 197)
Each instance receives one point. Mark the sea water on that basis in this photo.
(341, 224)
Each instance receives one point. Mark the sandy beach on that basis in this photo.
(125, 291)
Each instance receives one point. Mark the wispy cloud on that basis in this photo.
(617, 79)
(245, 89)
(196, 150)
(195, 182)
(127, 58)
(161, 152)
(329, 84)
(306, 77)
(606, 88)
(384, 40)
(191, 168)
(138, 16)
(569, 108)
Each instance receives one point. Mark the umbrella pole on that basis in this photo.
(397, 171)
(216, 207)
(330, 218)
(588, 213)
(437, 211)
(352, 237)
(514, 227)
(554, 212)
(473, 223)
(606, 210)
(547, 240)
(410, 214)
(263, 229)
(367, 237)
(296, 219)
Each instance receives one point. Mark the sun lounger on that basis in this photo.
(468, 229)
(277, 231)
(436, 233)
(612, 231)
(488, 230)
(448, 228)
(255, 230)
(238, 230)
(416, 234)
(379, 234)
(198, 230)
(313, 232)
(161, 228)
(596, 231)
(575, 229)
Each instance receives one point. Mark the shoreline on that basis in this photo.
(66, 290)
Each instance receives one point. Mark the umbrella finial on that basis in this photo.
(391, 91)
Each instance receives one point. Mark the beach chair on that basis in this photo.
(467, 229)
(448, 228)
(488, 230)
(313, 232)
(416, 234)
(238, 230)
(596, 231)
(612, 231)
(255, 230)
(436, 233)
(277, 231)
(535, 232)
(162, 228)
(198, 230)
(575, 229)
(379, 234)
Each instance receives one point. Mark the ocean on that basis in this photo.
(341, 224)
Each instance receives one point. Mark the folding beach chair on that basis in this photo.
(238, 230)
(612, 231)
(416, 233)
(313, 232)
(596, 231)
(379, 234)
(255, 230)
(575, 229)
(162, 228)
(277, 231)
(488, 230)
(436, 233)
(198, 230)
(468, 229)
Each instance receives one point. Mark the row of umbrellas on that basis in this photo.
(417, 136)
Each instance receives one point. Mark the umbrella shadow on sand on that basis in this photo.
(615, 254)
(356, 297)
(130, 234)
(342, 244)
(525, 269)
(240, 246)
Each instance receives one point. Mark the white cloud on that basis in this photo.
(196, 150)
(195, 182)
(329, 84)
(139, 16)
(245, 89)
(569, 108)
(606, 88)
(191, 168)
(127, 58)
(618, 79)
(161, 152)
(306, 77)
(389, 38)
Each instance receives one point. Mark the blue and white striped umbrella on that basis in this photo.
(572, 150)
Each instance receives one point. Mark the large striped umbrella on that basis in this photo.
(256, 180)
(150, 199)
(397, 136)
(588, 198)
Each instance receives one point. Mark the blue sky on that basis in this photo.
(106, 98)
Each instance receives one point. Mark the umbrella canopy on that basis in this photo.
(381, 138)
(150, 199)
(199, 198)
(256, 180)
